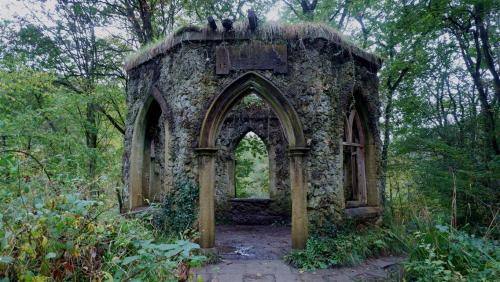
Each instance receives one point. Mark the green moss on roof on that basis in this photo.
(266, 32)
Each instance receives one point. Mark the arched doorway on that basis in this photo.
(252, 83)
(251, 168)
(150, 175)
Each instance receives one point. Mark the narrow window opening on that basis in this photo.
(354, 161)
(151, 183)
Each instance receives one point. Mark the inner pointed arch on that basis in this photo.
(251, 83)
(251, 167)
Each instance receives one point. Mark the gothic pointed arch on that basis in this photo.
(251, 82)
(354, 160)
(290, 123)
(360, 153)
(145, 184)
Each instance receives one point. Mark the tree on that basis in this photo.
(145, 20)
(439, 85)
(221, 9)
(82, 61)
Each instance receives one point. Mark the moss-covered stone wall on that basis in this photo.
(320, 82)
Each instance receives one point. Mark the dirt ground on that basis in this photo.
(239, 242)
(254, 253)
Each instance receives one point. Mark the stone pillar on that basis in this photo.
(231, 184)
(299, 197)
(372, 181)
(145, 174)
(206, 181)
(272, 172)
(154, 182)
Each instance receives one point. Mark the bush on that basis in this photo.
(66, 237)
(440, 253)
(180, 208)
(345, 248)
(434, 252)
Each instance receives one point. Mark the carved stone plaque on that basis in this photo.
(251, 57)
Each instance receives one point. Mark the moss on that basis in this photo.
(268, 32)
(179, 210)
(187, 28)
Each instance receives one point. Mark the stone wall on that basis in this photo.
(260, 119)
(320, 81)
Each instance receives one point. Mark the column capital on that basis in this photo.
(207, 151)
(297, 151)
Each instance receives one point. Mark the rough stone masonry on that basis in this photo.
(319, 89)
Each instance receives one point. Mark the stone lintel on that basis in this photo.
(251, 200)
(209, 151)
(297, 151)
(362, 213)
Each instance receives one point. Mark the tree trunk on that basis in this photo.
(91, 142)
(391, 88)
(485, 43)
(386, 141)
(474, 69)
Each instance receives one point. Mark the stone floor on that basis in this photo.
(253, 253)
(244, 242)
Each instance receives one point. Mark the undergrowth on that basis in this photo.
(179, 210)
(66, 237)
(344, 248)
(432, 251)
(440, 253)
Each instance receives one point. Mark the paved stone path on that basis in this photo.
(381, 269)
(253, 254)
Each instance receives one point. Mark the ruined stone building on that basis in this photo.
(319, 123)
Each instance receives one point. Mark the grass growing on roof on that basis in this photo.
(268, 32)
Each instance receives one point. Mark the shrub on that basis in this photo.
(160, 262)
(180, 208)
(66, 237)
(440, 253)
(345, 248)
(434, 252)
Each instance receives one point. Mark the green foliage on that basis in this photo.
(252, 168)
(179, 210)
(222, 9)
(344, 248)
(435, 171)
(38, 119)
(440, 253)
(61, 117)
(432, 252)
(66, 237)
(159, 262)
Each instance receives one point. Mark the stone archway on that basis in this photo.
(290, 123)
(140, 152)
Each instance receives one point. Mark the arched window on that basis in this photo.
(150, 165)
(151, 184)
(354, 173)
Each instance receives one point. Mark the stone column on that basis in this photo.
(231, 184)
(299, 197)
(272, 172)
(372, 177)
(145, 174)
(154, 182)
(206, 181)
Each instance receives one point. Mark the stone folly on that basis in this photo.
(319, 124)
